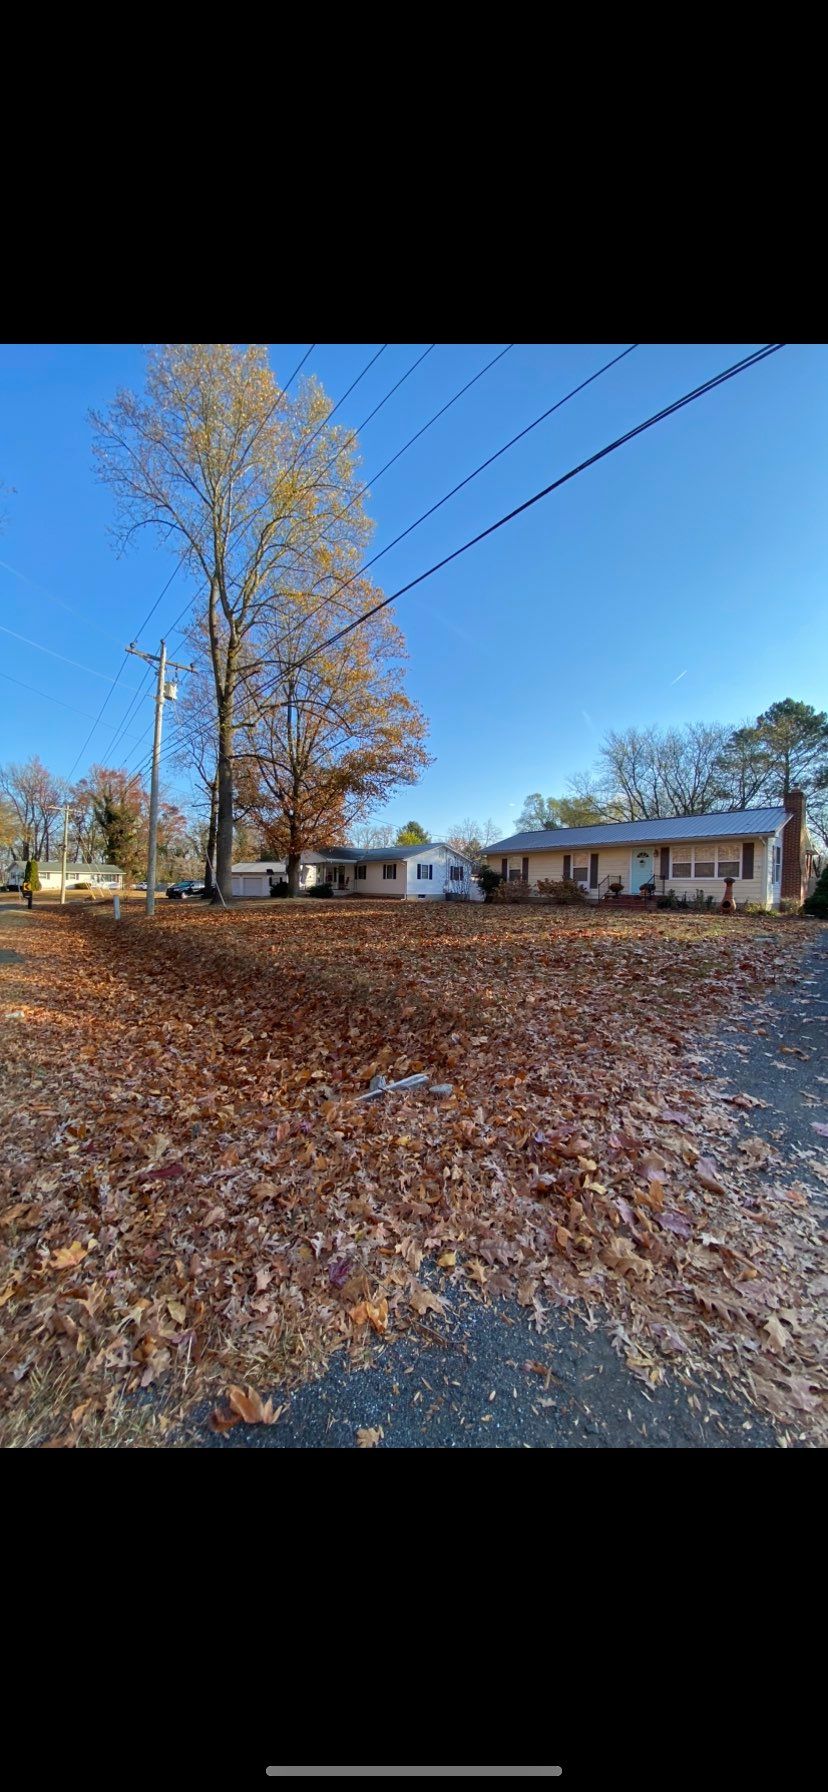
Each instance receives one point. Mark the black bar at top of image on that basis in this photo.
(414, 1772)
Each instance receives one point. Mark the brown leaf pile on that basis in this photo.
(193, 1198)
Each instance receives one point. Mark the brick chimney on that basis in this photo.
(792, 841)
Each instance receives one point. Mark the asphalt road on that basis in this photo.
(466, 1384)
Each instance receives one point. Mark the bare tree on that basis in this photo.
(34, 796)
(240, 480)
(472, 837)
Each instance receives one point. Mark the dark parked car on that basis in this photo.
(190, 887)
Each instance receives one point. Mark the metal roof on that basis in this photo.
(385, 854)
(354, 855)
(725, 825)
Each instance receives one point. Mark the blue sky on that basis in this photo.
(681, 579)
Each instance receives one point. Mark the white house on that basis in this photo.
(765, 851)
(95, 874)
(421, 873)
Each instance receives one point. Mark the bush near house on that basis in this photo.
(513, 890)
(561, 890)
(790, 905)
(322, 890)
(817, 902)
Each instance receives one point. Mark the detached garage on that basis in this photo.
(254, 878)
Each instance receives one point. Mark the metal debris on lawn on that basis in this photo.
(379, 1086)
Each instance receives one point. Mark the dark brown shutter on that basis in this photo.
(567, 864)
(526, 871)
(665, 862)
(504, 869)
(747, 858)
(593, 870)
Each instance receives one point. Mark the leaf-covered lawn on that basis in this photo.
(194, 1201)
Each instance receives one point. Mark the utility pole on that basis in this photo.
(64, 853)
(166, 691)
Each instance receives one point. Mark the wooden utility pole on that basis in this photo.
(64, 853)
(166, 691)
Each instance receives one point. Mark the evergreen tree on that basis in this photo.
(817, 902)
(411, 835)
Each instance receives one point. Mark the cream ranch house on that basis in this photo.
(765, 851)
(420, 872)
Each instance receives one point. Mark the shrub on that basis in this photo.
(31, 876)
(790, 905)
(755, 908)
(561, 890)
(817, 902)
(488, 881)
(669, 901)
(515, 890)
(281, 888)
(322, 890)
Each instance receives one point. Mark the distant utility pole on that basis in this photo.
(64, 853)
(166, 691)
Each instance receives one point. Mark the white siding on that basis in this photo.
(425, 889)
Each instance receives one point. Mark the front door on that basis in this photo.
(642, 870)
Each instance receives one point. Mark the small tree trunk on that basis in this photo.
(209, 880)
(293, 863)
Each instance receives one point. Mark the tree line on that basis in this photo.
(108, 820)
(647, 773)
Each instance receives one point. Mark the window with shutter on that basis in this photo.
(664, 868)
(747, 858)
(526, 871)
(593, 870)
(567, 870)
(504, 868)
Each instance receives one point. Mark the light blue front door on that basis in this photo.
(642, 870)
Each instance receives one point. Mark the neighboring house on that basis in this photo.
(253, 877)
(103, 877)
(766, 851)
(420, 872)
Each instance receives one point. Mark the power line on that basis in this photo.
(678, 404)
(141, 694)
(333, 595)
(46, 697)
(78, 664)
(375, 478)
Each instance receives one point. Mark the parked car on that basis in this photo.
(189, 887)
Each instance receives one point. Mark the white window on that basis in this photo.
(777, 863)
(425, 872)
(456, 874)
(730, 860)
(389, 871)
(361, 872)
(700, 865)
(580, 874)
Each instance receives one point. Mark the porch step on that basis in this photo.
(630, 901)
